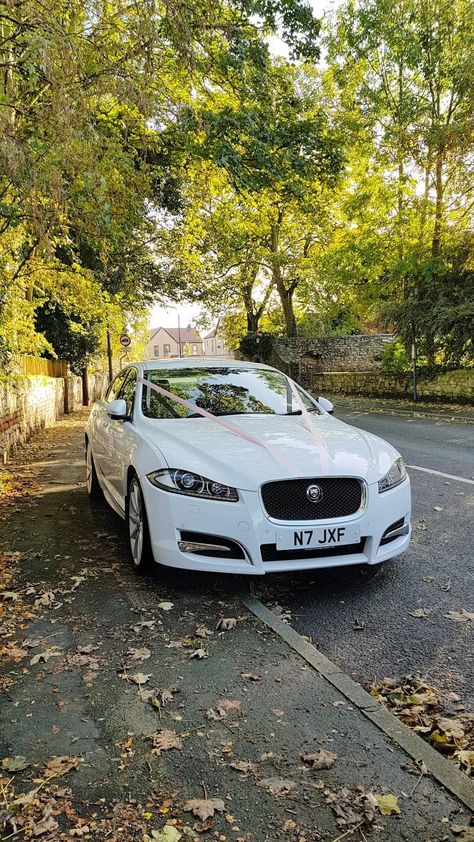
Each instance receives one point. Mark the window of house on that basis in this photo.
(166, 350)
(156, 351)
(195, 350)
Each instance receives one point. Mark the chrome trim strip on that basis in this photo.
(402, 530)
(196, 547)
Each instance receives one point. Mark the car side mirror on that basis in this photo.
(117, 410)
(325, 404)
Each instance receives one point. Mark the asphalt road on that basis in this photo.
(366, 627)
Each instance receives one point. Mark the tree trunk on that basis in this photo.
(286, 295)
(436, 241)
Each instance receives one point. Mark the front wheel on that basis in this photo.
(137, 528)
(92, 482)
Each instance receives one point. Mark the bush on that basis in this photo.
(395, 358)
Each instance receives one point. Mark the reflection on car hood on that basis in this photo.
(200, 445)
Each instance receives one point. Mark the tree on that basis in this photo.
(402, 69)
(90, 98)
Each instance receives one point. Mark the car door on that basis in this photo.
(120, 438)
(101, 423)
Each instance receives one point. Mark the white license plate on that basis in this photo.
(317, 538)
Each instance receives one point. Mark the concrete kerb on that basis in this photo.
(438, 766)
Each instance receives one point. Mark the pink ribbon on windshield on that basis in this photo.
(323, 455)
(242, 434)
(227, 425)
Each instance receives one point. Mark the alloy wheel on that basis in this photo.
(135, 522)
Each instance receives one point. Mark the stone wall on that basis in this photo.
(30, 403)
(301, 357)
(452, 386)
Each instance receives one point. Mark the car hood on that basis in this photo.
(200, 445)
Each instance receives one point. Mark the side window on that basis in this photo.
(127, 392)
(114, 388)
(166, 350)
(156, 350)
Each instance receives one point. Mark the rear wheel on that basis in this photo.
(92, 482)
(139, 543)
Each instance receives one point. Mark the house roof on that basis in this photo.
(188, 334)
(211, 335)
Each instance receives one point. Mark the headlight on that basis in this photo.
(194, 485)
(395, 476)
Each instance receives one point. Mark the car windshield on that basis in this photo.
(222, 391)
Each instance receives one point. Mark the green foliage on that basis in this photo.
(395, 358)
(72, 339)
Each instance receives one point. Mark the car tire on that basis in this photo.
(138, 533)
(92, 481)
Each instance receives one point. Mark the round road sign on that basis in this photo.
(125, 341)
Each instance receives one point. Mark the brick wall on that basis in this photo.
(452, 386)
(30, 403)
(332, 353)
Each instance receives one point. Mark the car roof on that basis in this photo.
(201, 362)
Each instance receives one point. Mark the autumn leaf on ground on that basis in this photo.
(144, 624)
(245, 766)
(250, 676)
(419, 612)
(14, 651)
(159, 700)
(461, 616)
(15, 764)
(168, 834)
(61, 765)
(199, 654)
(204, 808)
(164, 740)
(387, 804)
(46, 825)
(226, 623)
(43, 657)
(277, 786)
(278, 712)
(165, 606)
(321, 759)
(226, 705)
(139, 654)
(203, 632)
(45, 600)
(139, 678)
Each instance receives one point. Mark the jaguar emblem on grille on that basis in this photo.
(314, 493)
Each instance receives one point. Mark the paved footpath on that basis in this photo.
(128, 714)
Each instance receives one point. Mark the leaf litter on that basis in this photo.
(423, 709)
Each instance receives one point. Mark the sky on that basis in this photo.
(168, 316)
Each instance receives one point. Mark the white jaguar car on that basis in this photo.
(231, 467)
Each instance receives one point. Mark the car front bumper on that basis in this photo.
(246, 524)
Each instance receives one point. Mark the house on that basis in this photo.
(214, 344)
(165, 342)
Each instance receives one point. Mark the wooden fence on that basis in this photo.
(38, 365)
